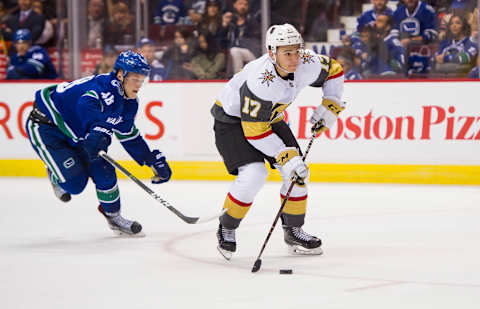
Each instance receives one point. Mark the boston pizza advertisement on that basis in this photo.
(384, 122)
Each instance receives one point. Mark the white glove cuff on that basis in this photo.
(330, 119)
(318, 114)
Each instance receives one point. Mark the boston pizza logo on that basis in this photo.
(267, 77)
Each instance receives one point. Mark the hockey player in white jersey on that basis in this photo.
(249, 129)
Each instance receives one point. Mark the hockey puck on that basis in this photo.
(286, 271)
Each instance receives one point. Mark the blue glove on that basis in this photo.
(97, 140)
(158, 163)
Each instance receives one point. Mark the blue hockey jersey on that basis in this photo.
(353, 74)
(396, 52)
(170, 12)
(35, 64)
(95, 101)
(369, 17)
(389, 58)
(422, 22)
(360, 48)
(463, 51)
(158, 71)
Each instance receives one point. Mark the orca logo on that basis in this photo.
(117, 84)
(411, 26)
(69, 162)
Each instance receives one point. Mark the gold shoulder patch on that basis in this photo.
(336, 70)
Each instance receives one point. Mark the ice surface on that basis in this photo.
(386, 246)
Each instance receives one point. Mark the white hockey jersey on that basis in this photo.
(258, 95)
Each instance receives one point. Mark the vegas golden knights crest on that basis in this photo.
(307, 58)
(267, 77)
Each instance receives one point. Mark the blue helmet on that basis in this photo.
(130, 61)
(22, 35)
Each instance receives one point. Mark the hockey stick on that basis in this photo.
(189, 220)
(258, 262)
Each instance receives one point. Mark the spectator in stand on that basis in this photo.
(459, 7)
(346, 60)
(209, 62)
(26, 18)
(475, 72)
(96, 24)
(157, 69)
(29, 62)
(369, 17)
(195, 10)
(48, 30)
(390, 54)
(362, 48)
(107, 62)
(243, 35)
(458, 47)
(170, 12)
(121, 29)
(211, 22)
(415, 22)
(178, 56)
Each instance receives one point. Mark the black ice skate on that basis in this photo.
(61, 194)
(121, 226)
(301, 243)
(226, 242)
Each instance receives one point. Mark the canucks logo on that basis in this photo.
(267, 77)
(119, 86)
(307, 58)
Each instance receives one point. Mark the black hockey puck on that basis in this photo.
(286, 271)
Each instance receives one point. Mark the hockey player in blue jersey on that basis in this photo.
(29, 62)
(415, 21)
(369, 17)
(458, 46)
(72, 121)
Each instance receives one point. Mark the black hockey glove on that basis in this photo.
(98, 139)
(158, 163)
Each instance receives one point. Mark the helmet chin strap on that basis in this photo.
(274, 60)
(282, 69)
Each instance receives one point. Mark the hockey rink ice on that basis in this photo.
(385, 246)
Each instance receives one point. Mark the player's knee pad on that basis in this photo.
(103, 174)
(251, 178)
(75, 185)
(298, 189)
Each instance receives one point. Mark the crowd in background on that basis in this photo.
(213, 39)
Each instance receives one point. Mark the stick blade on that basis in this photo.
(257, 265)
(207, 219)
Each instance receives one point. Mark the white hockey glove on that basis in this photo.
(290, 161)
(325, 115)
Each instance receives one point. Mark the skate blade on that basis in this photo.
(127, 235)
(299, 250)
(226, 254)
